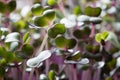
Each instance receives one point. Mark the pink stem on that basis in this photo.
(92, 34)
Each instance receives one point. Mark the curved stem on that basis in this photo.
(39, 50)
(42, 45)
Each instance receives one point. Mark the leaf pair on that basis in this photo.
(45, 19)
(38, 9)
(101, 36)
(81, 34)
(93, 49)
(52, 2)
(62, 42)
(26, 51)
(93, 11)
(56, 29)
(9, 7)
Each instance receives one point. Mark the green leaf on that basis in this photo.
(108, 78)
(98, 37)
(76, 56)
(26, 52)
(57, 29)
(101, 36)
(78, 33)
(82, 34)
(37, 9)
(49, 15)
(26, 38)
(10, 56)
(105, 34)
(41, 21)
(54, 67)
(28, 49)
(11, 6)
(61, 42)
(91, 11)
(71, 43)
(3, 62)
(52, 2)
(3, 51)
(2, 71)
(51, 33)
(77, 10)
(2, 7)
(51, 75)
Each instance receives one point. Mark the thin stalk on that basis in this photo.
(31, 74)
(74, 72)
(61, 7)
(92, 34)
(47, 61)
(23, 72)
(43, 44)
(37, 74)
(47, 66)
(39, 50)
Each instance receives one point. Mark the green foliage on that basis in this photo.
(26, 51)
(52, 2)
(26, 38)
(62, 42)
(41, 21)
(59, 33)
(77, 10)
(54, 67)
(49, 15)
(101, 36)
(108, 78)
(46, 19)
(93, 49)
(91, 11)
(75, 56)
(2, 7)
(82, 34)
(51, 75)
(37, 9)
(56, 29)
(9, 7)
(2, 71)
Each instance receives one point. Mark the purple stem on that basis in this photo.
(74, 72)
(97, 74)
